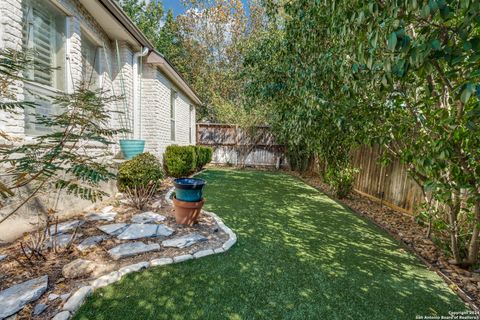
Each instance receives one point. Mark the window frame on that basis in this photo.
(190, 124)
(30, 44)
(85, 34)
(33, 87)
(173, 98)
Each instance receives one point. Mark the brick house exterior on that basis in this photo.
(95, 39)
(147, 96)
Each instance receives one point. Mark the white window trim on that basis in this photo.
(99, 44)
(61, 7)
(173, 112)
(191, 123)
(37, 88)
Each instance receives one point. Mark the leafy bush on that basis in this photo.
(142, 171)
(204, 156)
(342, 180)
(180, 161)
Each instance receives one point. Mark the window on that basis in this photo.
(44, 29)
(191, 122)
(173, 96)
(44, 33)
(90, 62)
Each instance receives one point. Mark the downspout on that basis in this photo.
(137, 101)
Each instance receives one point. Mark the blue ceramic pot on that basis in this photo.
(189, 189)
(131, 148)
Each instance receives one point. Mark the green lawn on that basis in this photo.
(299, 255)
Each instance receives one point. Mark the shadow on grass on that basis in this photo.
(299, 255)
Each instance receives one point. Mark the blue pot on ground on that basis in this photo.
(189, 189)
(130, 148)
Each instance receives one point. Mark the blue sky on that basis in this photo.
(177, 7)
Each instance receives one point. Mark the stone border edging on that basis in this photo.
(78, 297)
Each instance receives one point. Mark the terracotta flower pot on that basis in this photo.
(187, 212)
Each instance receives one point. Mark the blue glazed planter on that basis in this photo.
(131, 148)
(189, 189)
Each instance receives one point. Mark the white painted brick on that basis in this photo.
(155, 87)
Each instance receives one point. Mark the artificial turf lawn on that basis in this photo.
(299, 255)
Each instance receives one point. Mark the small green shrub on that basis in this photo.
(180, 161)
(341, 180)
(204, 156)
(208, 154)
(143, 170)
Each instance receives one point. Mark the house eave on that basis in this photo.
(128, 31)
(157, 59)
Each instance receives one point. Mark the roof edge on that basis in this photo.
(157, 59)
(114, 8)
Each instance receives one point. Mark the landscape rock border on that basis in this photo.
(79, 296)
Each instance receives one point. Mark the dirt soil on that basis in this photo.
(404, 228)
(16, 268)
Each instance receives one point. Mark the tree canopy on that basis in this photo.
(328, 76)
(402, 74)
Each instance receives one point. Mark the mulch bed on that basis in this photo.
(16, 269)
(404, 228)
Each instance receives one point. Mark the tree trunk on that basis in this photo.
(453, 215)
(473, 247)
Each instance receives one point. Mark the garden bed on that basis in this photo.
(205, 236)
(404, 228)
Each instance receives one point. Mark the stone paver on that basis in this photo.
(105, 216)
(148, 217)
(53, 296)
(39, 308)
(80, 268)
(105, 280)
(66, 226)
(90, 242)
(182, 258)
(64, 315)
(113, 229)
(184, 241)
(203, 253)
(76, 300)
(62, 240)
(132, 248)
(16, 297)
(133, 268)
(160, 262)
(139, 230)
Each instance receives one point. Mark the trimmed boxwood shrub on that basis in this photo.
(204, 156)
(180, 161)
(139, 172)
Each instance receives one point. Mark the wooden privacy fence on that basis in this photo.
(390, 184)
(233, 146)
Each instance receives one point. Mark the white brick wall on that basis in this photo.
(155, 122)
(155, 87)
(154, 96)
(11, 37)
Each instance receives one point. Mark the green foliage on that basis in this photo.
(180, 161)
(141, 171)
(204, 156)
(402, 74)
(147, 15)
(12, 65)
(58, 159)
(206, 45)
(341, 179)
